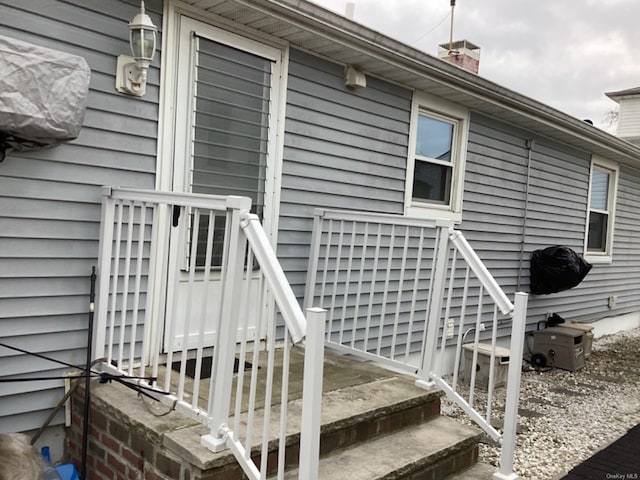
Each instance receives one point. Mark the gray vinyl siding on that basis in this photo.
(343, 149)
(326, 166)
(50, 200)
(505, 222)
(622, 277)
(494, 212)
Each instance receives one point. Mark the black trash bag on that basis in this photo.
(555, 269)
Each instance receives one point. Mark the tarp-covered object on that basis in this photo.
(555, 269)
(43, 95)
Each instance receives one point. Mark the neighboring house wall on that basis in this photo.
(344, 149)
(50, 200)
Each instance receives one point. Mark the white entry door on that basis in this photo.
(226, 111)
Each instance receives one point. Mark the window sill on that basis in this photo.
(598, 259)
(433, 214)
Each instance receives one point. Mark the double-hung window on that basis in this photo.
(435, 166)
(600, 214)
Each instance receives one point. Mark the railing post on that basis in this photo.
(220, 396)
(104, 271)
(156, 299)
(312, 394)
(312, 269)
(513, 389)
(435, 307)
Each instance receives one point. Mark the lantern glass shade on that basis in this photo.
(143, 43)
(142, 37)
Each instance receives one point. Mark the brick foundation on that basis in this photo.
(122, 448)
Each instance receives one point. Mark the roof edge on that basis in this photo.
(620, 94)
(371, 42)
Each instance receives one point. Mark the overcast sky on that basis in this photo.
(565, 53)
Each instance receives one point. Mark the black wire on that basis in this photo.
(87, 383)
(105, 377)
(141, 389)
(37, 379)
(108, 377)
(44, 357)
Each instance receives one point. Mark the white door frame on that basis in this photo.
(173, 14)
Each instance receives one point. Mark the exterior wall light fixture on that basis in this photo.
(131, 71)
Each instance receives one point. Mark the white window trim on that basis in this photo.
(423, 102)
(607, 255)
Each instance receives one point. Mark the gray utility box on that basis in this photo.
(587, 331)
(483, 364)
(560, 347)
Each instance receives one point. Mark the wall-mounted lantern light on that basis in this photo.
(131, 73)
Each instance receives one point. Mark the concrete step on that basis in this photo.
(429, 451)
(350, 416)
(480, 471)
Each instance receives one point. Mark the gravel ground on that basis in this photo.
(565, 417)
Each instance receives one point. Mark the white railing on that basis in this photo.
(406, 293)
(207, 262)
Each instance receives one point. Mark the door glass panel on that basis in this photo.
(230, 132)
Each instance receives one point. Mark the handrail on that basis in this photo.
(196, 200)
(483, 274)
(385, 218)
(280, 288)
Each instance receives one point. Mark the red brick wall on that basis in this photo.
(116, 451)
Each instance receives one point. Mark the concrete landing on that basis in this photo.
(339, 372)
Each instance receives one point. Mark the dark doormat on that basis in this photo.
(618, 460)
(205, 369)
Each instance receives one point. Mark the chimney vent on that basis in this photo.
(462, 53)
(350, 10)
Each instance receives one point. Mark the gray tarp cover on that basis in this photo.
(43, 95)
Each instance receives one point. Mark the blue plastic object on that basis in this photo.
(68, 471)
(46, 454)
(50, 473)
